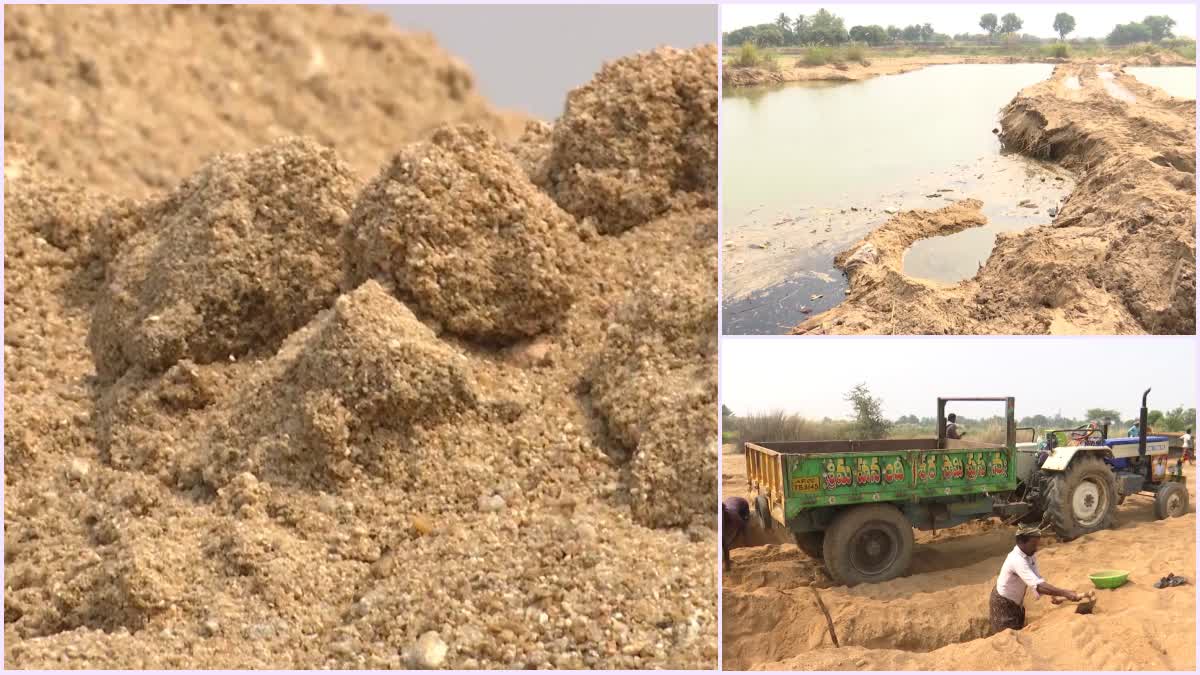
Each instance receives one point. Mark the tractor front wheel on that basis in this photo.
(1171, 501)
(868, 544)
(1081, 499)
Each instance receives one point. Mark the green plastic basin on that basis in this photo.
(1109, 578)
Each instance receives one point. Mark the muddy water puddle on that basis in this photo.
(1177, 81)
(809, 169)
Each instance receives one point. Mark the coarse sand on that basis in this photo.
(315, 360)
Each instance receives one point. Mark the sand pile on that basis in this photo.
(458, 227)
(316, 430)
(133, 116)
(228, 263)
(936, 617)
(628, 149)
(1118, 258)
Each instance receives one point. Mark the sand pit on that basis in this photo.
(284, 448)
(1119, 258)
(936, 618)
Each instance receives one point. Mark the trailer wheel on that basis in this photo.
(868, 544)
(812, 543)
(763, 508)
(1081, 499)
(1171, 501)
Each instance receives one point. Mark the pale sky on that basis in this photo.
(809, 375)
(1091, 20)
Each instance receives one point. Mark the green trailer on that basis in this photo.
(855, 503)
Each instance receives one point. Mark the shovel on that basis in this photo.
(1087, 602)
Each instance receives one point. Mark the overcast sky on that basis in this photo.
(1091, 20)
(810, 375)
(527, 57)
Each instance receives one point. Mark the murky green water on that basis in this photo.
(807, 169)
(1178, 81)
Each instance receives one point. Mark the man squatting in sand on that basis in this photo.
(1006, 606)
(735, 515)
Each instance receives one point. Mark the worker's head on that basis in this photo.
(739, 507)
(1028, 539)
(952, 417)
(1189, 430)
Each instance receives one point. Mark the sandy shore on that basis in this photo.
(789, 71)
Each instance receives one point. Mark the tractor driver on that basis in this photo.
(1006, 606)
(952, 430)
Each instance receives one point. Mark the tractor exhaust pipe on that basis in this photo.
(1142, 436)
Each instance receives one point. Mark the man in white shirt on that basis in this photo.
(1006, 606)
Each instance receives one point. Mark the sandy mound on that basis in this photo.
(132, 116)
(1119, 257)
(651, 384)
(338, 400)
(48, 288)
(229, 263)
(458, 227)
(352, 489)
(639, 137)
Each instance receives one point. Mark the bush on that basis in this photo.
(1058, 51)
(1183, 47)
(747, 56)
(817, 56)
(857, 54)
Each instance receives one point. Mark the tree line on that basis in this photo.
(827, 29)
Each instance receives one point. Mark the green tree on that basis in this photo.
(868, 413)
(1129, 33)
(827, 29)
(872, 35)
(769, 35)
(1103, 415)
(911, 33)
(1010, 23)
(800, 29)
(1180, 419)
(989, 23)
(1160, 27)
(927, 32)
(1063, 23)
(893, 33)
(784, 23)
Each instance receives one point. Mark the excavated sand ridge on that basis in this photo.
(261, 412)
(1119, 258)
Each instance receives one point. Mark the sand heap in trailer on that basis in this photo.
(1120, 256)
(287, 415)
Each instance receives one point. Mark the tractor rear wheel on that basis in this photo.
(1081, 499)
(812, 543)
(1171, 501)
(868, 544)
(763, 508)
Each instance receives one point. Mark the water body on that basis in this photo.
(807, 169)
(1178, 81)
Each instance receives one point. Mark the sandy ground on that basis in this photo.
(1119, 258)
(936, 618)
(791, 70)
(311, 362)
